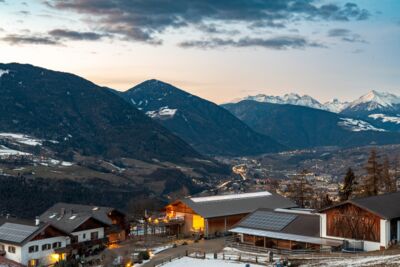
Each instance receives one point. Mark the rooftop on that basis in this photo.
(385, 206)
(225, 205)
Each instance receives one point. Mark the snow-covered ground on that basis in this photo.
(385, 118)
(5, 152)
(357, 125)
(2, 72)
(192, 262)
(21, 138)
(162, 113)
(390, 260)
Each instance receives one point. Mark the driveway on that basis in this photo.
(208, 246)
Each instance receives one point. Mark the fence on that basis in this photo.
(256, 249)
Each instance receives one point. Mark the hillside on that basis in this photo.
(206, 126)
(303, 127)
(58, 128)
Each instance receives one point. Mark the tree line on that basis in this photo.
(379, 178)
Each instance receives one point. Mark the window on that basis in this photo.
(2, 248)
(84, 236)
(94, 235)
(46, 246)
(32, 249)
(33, 263)
(57, 245)
(11, 249)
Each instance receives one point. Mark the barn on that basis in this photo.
(215, 215)
(365, 224)
(281, 229)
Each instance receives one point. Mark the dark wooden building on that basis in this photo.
(370, 223)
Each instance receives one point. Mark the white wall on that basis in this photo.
(12, 256)
(323, 224)
(385, 233)
(85, 235)
(44, 257)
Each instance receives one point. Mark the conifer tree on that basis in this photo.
(349, 184)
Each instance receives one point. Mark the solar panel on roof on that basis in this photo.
(268, 220)
(16, 232)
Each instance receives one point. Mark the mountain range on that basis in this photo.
(207, 127)
(371, 102)
(381, 109)
(301, 127)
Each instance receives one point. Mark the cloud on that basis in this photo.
(277, 43)
(53, 37)
(146, 20)
(14, 39)
(346, 35)
(75, 35)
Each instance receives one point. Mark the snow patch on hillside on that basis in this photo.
(385, 118)
(2, 72)
(162, 113)
(6, 152)
(21, 139)
(357, 125)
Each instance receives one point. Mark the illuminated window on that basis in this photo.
(198, 223)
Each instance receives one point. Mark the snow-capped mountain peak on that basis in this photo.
(335, 105)
(292, 99)
(375, 100)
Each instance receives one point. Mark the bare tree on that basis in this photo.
(373, 179)
(300, 190)
(389, 182)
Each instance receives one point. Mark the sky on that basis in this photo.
(219, 50)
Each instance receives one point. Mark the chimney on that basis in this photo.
(37, 221)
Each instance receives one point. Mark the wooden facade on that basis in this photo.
(196, 224)
(266, 242)
(49, 232)
(350, 221)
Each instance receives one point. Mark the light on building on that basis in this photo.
(55, 256)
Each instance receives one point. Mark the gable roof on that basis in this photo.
(291, 225)
(225, 205)
(19, 232)
(98, 212)
(385, 206)
(290, 222)
(69, 217)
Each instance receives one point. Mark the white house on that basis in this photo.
(31, 243)
(82, 226)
